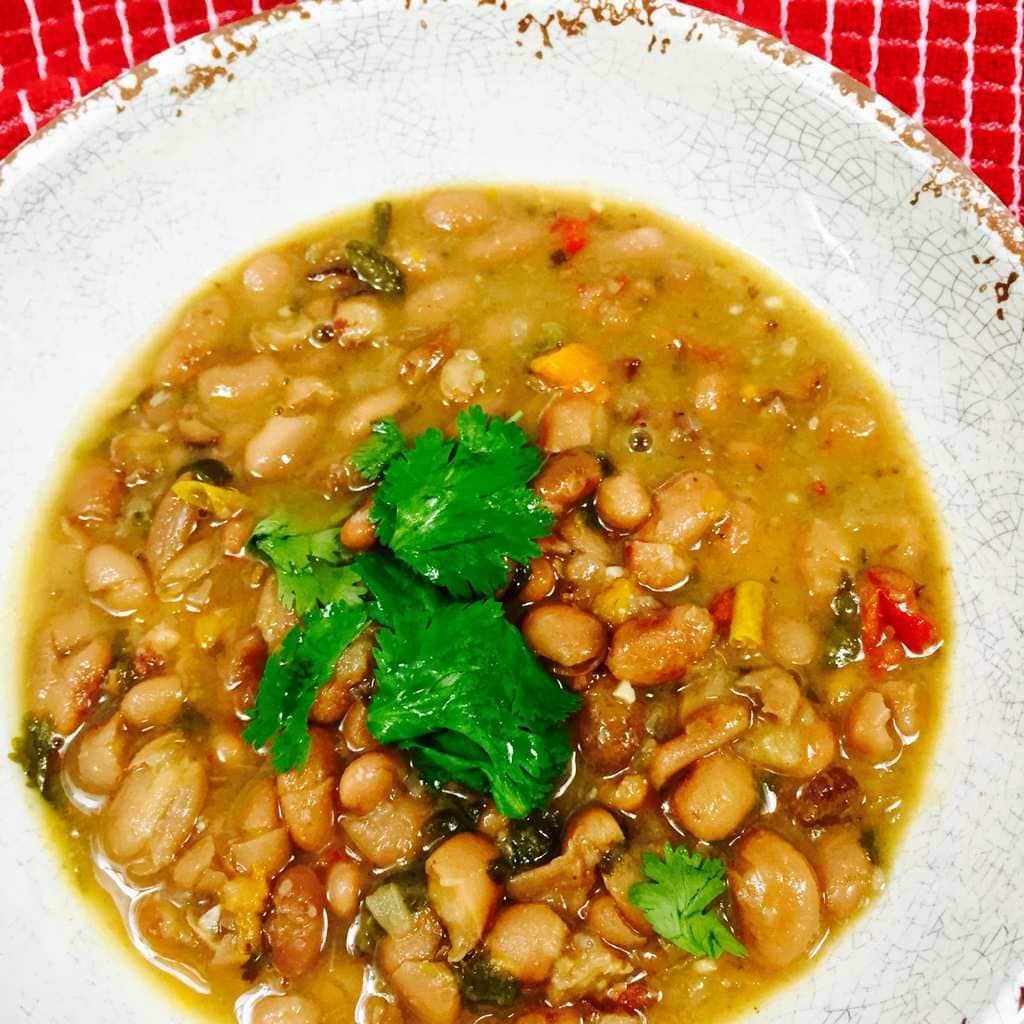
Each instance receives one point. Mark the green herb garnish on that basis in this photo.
(372, 267)
(373, 457)
(37, 751)
(312, 568)
(381, 222)
(674, 901)
(293, 676)
(842, 641)
(483, 984)
(456, 510)
(459, 689)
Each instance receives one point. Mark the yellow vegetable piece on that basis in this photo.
(245, 897)
(223, 502)
(747, 626)
(574, 366)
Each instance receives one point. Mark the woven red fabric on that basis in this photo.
(955, 64)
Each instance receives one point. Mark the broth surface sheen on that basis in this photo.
(743, 584)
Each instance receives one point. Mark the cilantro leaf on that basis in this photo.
(675, 901)
(456, 510)
(37, 750)
(459, 689)
(312, 568)
(373, 457)
(293, 676)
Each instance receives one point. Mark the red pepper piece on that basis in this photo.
(870, 613)
(885, 656)
(720, 608)
(915, 631)
(573, 232)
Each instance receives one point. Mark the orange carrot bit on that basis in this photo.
(574, 366)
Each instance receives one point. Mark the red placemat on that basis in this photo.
(955, 64)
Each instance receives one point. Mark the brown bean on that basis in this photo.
(845, 870)
(658, 648)
(459, 211)
(790, 641)
(172, 525)
(623, 502)
(572, 421)
(626, 793)
(823, 553)
(345, 881)
(359, 531)
(540, 583)
(461, 890)
(267, 280)
(564, 634)
(775, 892)
(154, 701)
(392, 832)
(368, 780)
(116, 579)
(868, 730)
(156, 807)
(286, 1010)
(707, 729)
(566, 479)
(714, 798)
(420, 942)
(96, 493)
(335, 697)
(296, 926)
(306, 794)
(99, 756)
(231, 385)
(526, 939)
(684, 508)
(657, 566)
(280, 446)
(430, 990)
(604, 919)
(610, 729)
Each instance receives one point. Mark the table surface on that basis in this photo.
(953, 64)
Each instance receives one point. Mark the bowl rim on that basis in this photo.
(974, 195)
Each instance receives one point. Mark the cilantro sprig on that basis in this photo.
(312, 568)
(457, 687)
(675, 901)
(456, 510)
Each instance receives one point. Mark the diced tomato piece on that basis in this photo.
(896, 583)
(573, 232)
(870, 613)
(720, 608)
(819, 487)
(885, 656)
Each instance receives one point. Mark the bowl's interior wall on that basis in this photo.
(110, 220)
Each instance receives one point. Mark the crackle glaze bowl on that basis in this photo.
(129, 201)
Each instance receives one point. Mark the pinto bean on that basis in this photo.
(658, 648)
(156, 806)
(506, 240)
(460, 211)
(359, 532)
(540, 583)
(368, 780)
(790, 641)
(823, 553)
(566, 479)
(845, 870)
(657, 566)
(461, 890)
(685, 507)
(392, 832)
(280, 445)
(623, 502)
(96, 493)
(610, 729)
(230, 384)
(462, 376)
(286, 1010)
(273, 620)
(267, 280)
(437, 303)
(707, 729)
(173, 523)
(430, 990)
(154, 701)
(421, 361)
(297, 925)
(345, 881)
(116, 579)
(868, 730)
(243, 665)
(201, 330)
(604, 919)
(635, 243)
(713, 799)
(359, 319)
(526, 939)
(564, 634)
(420, 942)
(99, 756)
(572, 421)
(335, 698)
(775, 892)
(626, 793)
(777, 691)
(799, 749)
(70, 680)
(306, 794)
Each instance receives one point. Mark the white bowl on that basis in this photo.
(121, 208)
